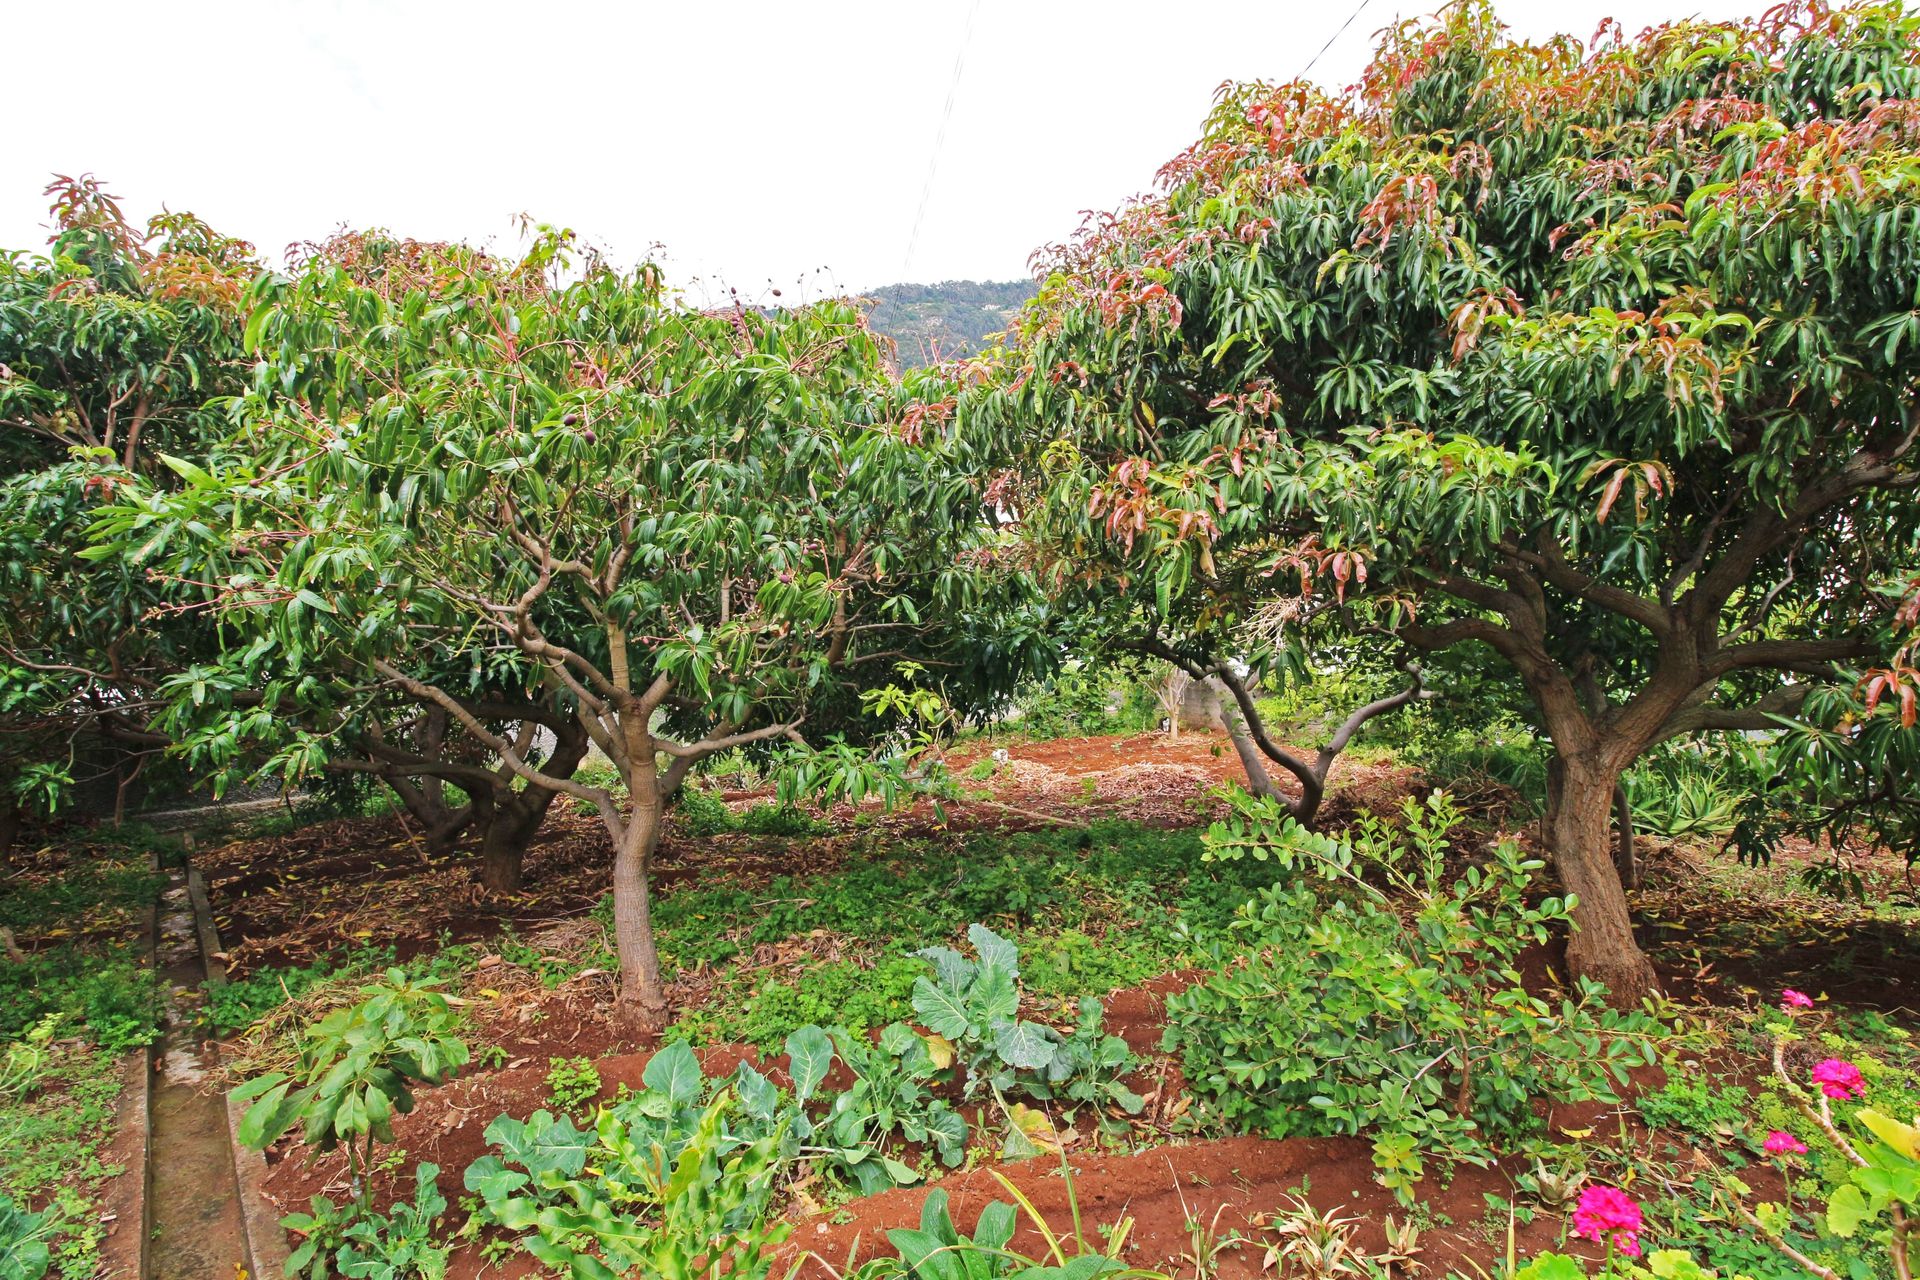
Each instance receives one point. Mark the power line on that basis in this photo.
(940, 138)
(1330, 39)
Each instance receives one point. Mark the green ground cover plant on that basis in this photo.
(571, 1084)
(56, 1121)
(107, 990)
(82, 909)
(1059, 895)
(1336, 1006)
(1699, 1106)
(753, 1008)
(80, 997)
(244, 1000)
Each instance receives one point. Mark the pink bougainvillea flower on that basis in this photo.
(1782, 1143)
(1609, 1214)
(1839, 1078)
(1791, 1000)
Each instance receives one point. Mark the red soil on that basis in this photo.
(1222, 1185)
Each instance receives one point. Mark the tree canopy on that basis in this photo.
(112, 344)
(690, 530)
(1599, 355)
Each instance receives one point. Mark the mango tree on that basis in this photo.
(691, 529)
(112, 342)
(1600, 356)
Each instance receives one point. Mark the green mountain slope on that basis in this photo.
(943, 321)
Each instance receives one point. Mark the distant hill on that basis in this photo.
(942, 321)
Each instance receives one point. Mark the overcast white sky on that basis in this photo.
(755, 141)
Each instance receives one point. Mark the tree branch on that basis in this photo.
(1379, 707)
(1708, 717)
(599, 797)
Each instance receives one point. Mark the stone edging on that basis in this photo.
(266, 1243)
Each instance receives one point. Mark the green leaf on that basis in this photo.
(1551, 1266)
(758, 1097)
(1846, 1210)
(940, 1011)
(675, 1072)
(542, 1145)
(1024, 1045)
(994, 949)
(809, 1058)
(1903, 1138)
(993, 995)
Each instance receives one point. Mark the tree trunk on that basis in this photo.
(1259, 781)
(1254, 761)
(1580, 800)
(425, 801)
(642, 1004)
(9, 832)
(503, 851)
(516, 815)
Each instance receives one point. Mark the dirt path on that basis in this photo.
(197, 1230)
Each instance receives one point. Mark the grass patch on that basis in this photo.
(52, 1146)
(1092, 910)
(753, 1008)
(77, 912)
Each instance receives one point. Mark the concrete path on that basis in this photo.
(197, 1230)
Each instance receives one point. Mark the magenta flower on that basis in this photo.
(1611, 1215)
(1782, 1143)
(1839, 1079)
(1791, 1000)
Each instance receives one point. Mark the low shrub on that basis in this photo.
(1329, 1012)
(974, 1005)
(655, 1193)
(701, 812)
(780, 820)
(688, 1166)
(344, 1240)
(358, 1067)
(1083, 699)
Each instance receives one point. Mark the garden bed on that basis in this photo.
(763, 933)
